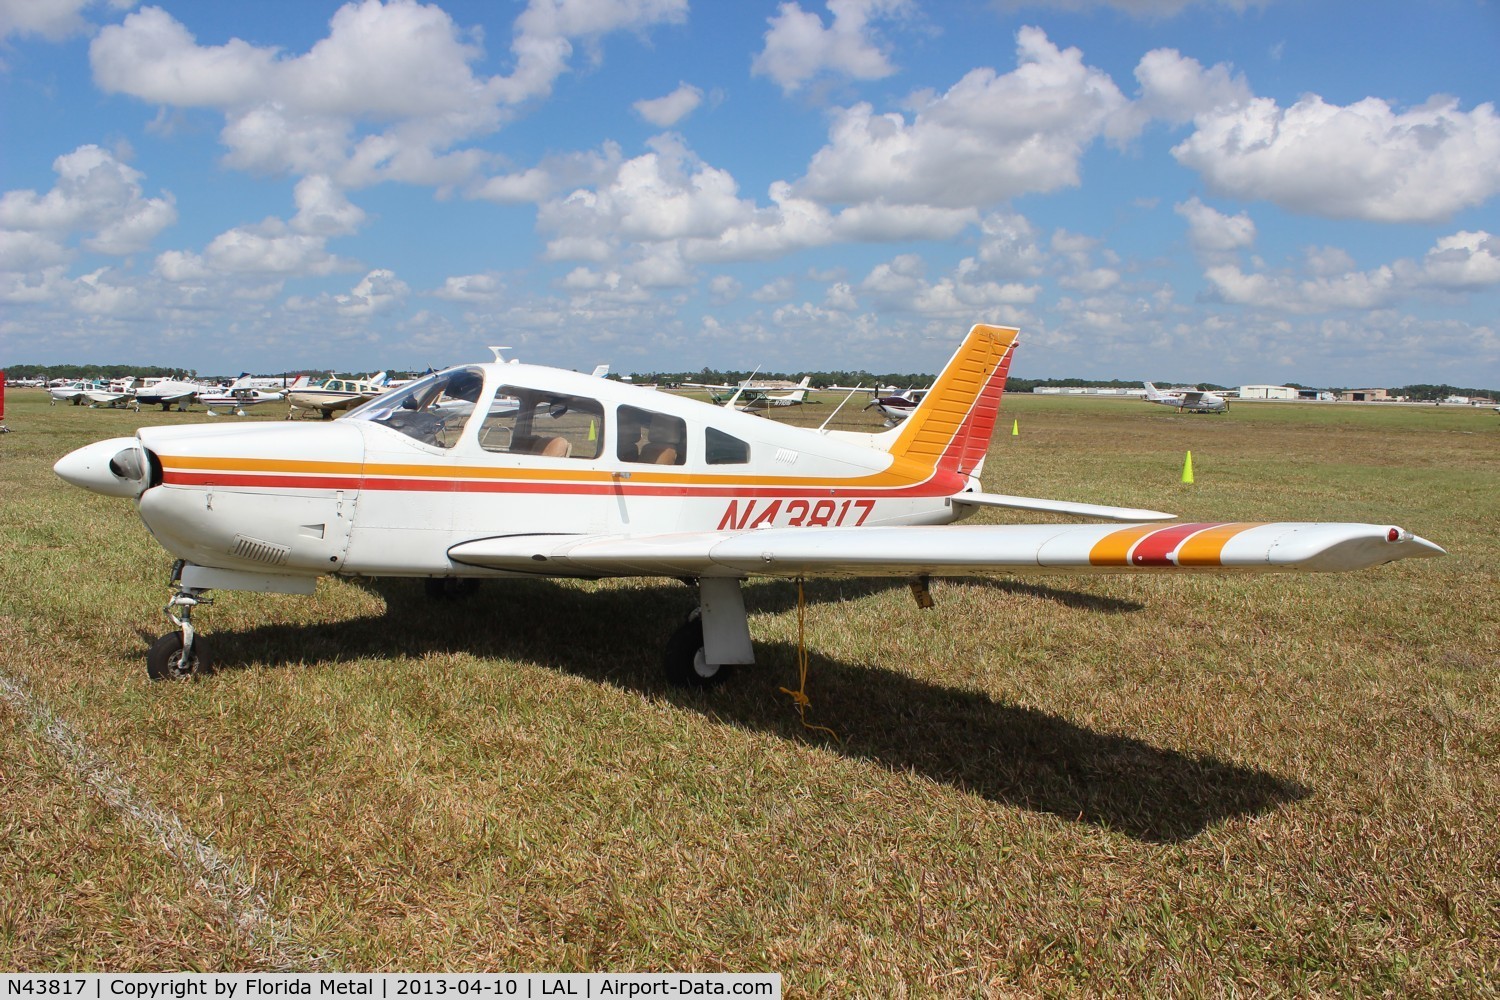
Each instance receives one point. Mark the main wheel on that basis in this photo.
(684, 661)
(165, 662)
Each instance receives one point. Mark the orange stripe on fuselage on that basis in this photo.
(901, 478)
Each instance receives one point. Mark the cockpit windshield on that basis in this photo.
(432, 410)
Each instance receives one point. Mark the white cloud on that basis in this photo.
(1329, 281)
(664, 112)
(376, 292)
(1177, 88)
(1465, 260)
(542, 42)
(271, 248)
(322, 209)
(1211, 231)
(799, 48)
(472, 288)
(901, 284)
(988, 138)
(1135, 8)
(385, 95)
(788, 224)
(96, 198)
(1362, 161)
(666, 194)
(151, 56)
(53, 20)
(1009, 247)
(563, 172)
(779, 290)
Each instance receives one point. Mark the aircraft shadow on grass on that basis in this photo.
(1005, 753)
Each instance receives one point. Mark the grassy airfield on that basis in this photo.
(1280, 785)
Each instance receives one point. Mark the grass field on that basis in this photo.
(1213, 786)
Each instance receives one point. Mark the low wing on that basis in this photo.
(954, 550)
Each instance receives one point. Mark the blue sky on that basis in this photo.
(1197, 190)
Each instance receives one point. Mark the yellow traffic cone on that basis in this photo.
(1187, 469)
(1015, 428)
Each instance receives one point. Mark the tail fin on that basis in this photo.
(950, 429)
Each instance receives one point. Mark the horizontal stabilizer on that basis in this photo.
(954, 550)
(1095, 510)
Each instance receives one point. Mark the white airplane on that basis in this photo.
(573, 476)
(119, 392)
(331, 395)
(72, 390)
(166, 392)
(241, 394)
(1192, 400)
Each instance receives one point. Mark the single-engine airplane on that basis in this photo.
(166, 392)
(553, 473)
(897, 406)
(330, 395)
(752, 398)
(1192, 400)
(241, 394)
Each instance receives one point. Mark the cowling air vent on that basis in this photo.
(259, 550)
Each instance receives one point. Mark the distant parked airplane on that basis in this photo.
(1192, 400)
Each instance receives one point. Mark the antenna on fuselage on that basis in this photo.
(742, 387)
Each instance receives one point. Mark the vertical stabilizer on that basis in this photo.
(950, 429)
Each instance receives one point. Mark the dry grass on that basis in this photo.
(1207, 786)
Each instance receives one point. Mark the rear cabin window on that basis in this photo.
(725, 449)
(536, 422)
(651, 438)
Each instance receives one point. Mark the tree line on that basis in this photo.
(901, 380)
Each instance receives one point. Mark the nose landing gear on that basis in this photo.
(180, 655)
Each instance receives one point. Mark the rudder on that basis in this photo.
(951, 427)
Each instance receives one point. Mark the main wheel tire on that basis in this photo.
(164, 660)
(685, 663)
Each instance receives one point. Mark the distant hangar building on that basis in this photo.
(1267, 392)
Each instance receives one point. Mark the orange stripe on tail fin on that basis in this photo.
(951, 428)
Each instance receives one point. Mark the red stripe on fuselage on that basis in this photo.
(937, 487)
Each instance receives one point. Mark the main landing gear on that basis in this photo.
(684, 661)
(180, 655)
(703, 651)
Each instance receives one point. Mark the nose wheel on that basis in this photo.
(179, 655)
(170, 659)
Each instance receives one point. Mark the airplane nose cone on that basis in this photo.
(115, 468)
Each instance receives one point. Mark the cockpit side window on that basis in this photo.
(431, 410)
(537, 422)
(724, 449)
(651, 438)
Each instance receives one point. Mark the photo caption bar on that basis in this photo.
(386, 986)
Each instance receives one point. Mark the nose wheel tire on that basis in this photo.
(685, 663)
(165, 662)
